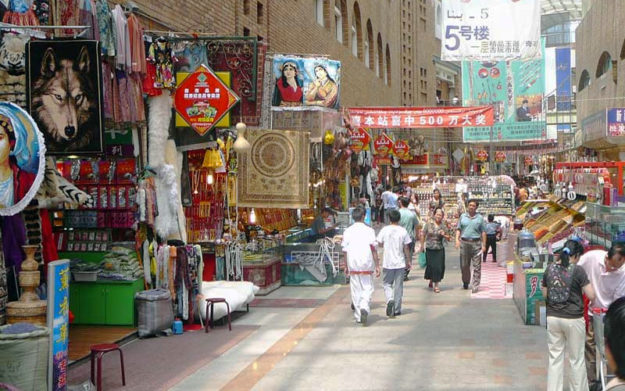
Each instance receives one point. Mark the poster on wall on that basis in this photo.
(306, 81)
(486, 30)
(64, 93)
(515, 90)
(22, 159)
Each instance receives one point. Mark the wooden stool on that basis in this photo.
(210, 304)
(97, 351)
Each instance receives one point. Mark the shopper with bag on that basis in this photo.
(432, 245)
(563, 284)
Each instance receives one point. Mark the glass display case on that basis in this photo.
(605, 224)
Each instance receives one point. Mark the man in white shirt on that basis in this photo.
(361, 253)
(606, 272)
(389, 200)
(395, 240)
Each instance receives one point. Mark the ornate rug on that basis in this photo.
(274, 172)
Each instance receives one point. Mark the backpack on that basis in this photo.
(558, 280)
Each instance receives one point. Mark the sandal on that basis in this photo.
(437, 290)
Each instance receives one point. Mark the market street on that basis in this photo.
(445, 341)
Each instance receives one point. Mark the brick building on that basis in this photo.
(387, 47)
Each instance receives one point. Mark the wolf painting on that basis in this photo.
(64, 94)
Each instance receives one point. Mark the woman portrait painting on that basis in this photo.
(21, 160)
(323, 91)
(288, 91)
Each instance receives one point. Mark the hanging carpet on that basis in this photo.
(274, 172)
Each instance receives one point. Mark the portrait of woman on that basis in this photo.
(21, 159)
(323, 91)
(288, 91)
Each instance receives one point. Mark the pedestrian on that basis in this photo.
(414, 205)
(361, 256)
(563, 284)
(471, 240)
(614, 328)
(606, 271)
(493, 232)
(410, 222)
(437, 202)
(395, 240)
(389, 201)
(432, 235)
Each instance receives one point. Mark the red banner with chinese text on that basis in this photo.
(421, 117)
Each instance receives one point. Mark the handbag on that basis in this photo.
(422, 261)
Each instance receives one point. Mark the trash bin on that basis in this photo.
(24, 350)
(154, 312)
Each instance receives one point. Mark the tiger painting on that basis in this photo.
(12, 68)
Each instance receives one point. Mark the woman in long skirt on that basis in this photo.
(432, 236)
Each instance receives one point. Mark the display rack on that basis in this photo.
(551, 221)
(604, 224)
(615, 169)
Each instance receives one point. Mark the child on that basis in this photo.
(395, 240)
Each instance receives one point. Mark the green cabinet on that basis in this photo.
(104, 302)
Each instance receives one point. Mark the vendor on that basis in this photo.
(324, 224)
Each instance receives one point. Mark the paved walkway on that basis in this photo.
(445, 341)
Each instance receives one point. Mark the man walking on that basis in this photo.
(395, 241)
(408, 219)
(606, 272)
(471, 240)
(493, 231)
(360, 252)
(389, 201)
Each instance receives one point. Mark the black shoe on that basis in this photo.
(390, 308)
(397, 313)
(465, 286)
(363, 317)
(353, 308)
(595, 386)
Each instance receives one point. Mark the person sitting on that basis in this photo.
(614, 329)
(324, 226)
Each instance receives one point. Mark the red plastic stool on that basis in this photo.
(97, 351)
(210, 304)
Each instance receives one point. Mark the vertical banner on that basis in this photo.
(563, 79)
(487, 30)
(58, 323)
(515, 89)
(616, 122)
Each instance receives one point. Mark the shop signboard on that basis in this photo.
(594, 127)
(616, 122)
(515, 89)
(382, 149)
(425, 160)
(58, 323)
(202, 99)
(401, 149)
(420, 117)
(360, 139)
(487, 30)
(500, 156)
(305, 81)
(482, 155)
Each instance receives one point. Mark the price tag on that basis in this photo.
(571, 195)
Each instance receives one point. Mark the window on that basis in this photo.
(388, 65)
(356, 32)
(439, 20)
(369, 47)
(246, 32)
(380, 65)
(246, 7)
(319, 6)
(259, 13)
(366, 53)
(584, 80)
(605, 63)
(377, 63)
(338, 21)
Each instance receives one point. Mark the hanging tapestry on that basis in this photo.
(64, 83)
(274, 172)
(12, 78)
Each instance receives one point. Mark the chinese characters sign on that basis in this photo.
(58, 323)
(420, 117)
(515, 90)
(616, 122)
(487, 30)
(202, 99)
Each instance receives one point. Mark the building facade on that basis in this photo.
(600, 76)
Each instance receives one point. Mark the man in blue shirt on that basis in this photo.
(389, 200)
(493, 231)
(471, 240)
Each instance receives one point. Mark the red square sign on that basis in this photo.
(202, 99)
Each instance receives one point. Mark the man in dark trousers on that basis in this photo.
(471, 240)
